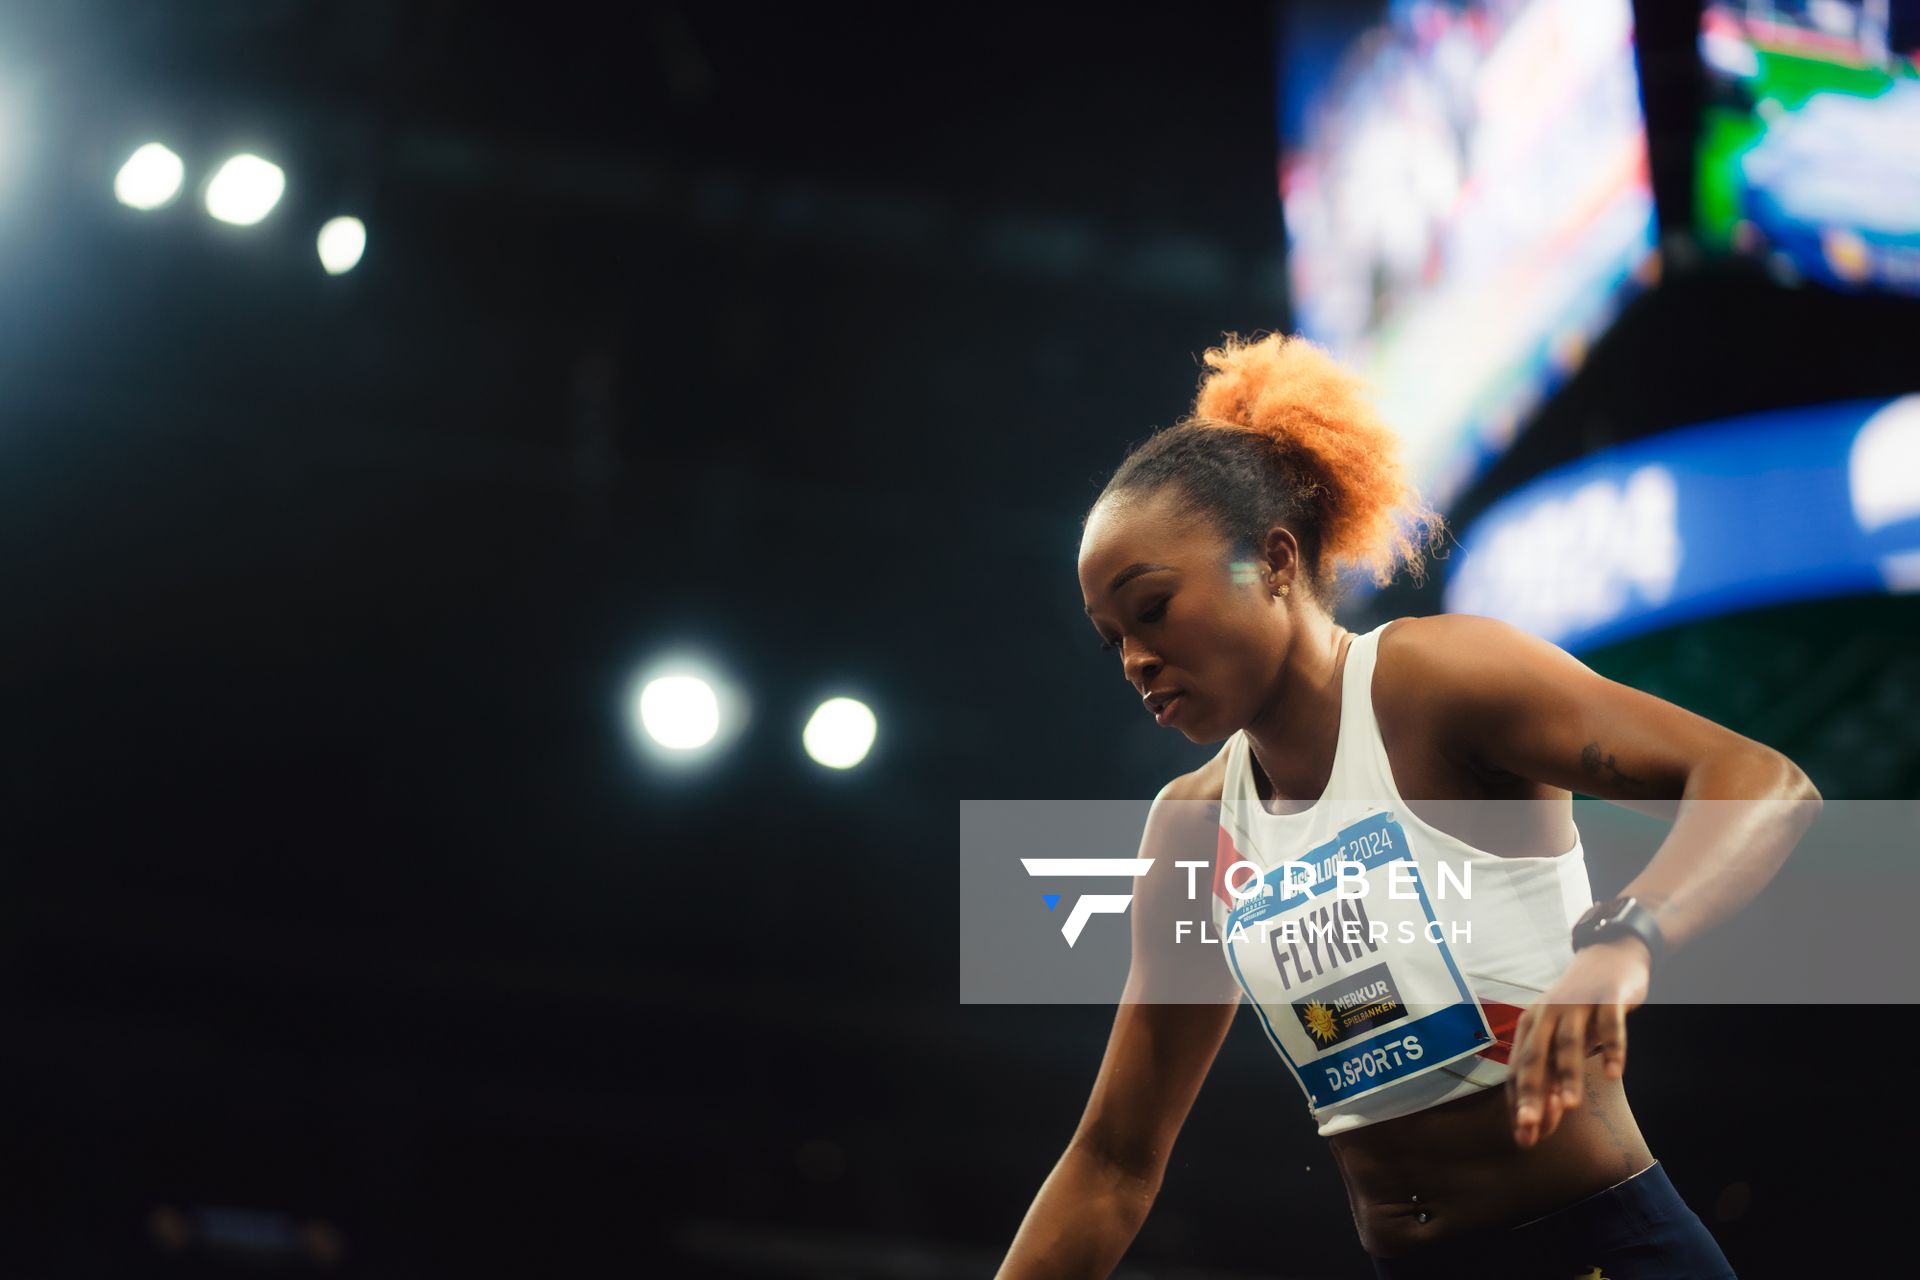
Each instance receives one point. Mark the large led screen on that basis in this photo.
(1466, 195)
(1809, 154)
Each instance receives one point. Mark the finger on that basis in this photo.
(1610, 1030)
(1526, 1066)
(1550, 1116)
(1513, 1080)
(1514, 1076)
(1558, 1090)
(1569, 1054)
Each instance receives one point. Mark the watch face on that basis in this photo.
(1599, 913)
(1620, 917)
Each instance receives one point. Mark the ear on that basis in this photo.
(1280, 555)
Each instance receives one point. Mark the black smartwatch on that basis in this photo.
(1617, 918)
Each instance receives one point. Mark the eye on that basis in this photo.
(1154, 614)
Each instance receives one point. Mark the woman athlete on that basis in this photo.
(1209, 563)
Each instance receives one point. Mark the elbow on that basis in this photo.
(1754, 771)
(1807, 803)
(1769, 783)
(1793, 788)
(1799, 788)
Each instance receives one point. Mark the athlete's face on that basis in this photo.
(1163, 591)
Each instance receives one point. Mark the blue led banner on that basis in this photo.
(1787, 505)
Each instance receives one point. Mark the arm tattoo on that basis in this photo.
(1593, 761)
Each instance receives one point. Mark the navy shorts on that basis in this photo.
(1639, 1229)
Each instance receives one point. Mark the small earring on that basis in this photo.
(1282, 589)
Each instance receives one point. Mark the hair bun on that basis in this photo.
(1320, 415)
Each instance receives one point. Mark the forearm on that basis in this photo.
(1739, 818)
(1086, 1214)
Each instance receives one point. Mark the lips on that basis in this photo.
(1162, 703)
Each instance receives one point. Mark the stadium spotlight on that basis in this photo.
(150, 178)
(245, 190)
(840, 733)
(679, 713)
(341, 243)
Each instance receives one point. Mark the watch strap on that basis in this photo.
(1616, 918)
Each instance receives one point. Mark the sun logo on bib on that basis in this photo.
(1320, 1024)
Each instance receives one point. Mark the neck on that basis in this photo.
(1294, 734)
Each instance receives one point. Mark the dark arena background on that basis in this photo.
(352, 927)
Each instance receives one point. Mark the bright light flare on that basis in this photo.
(840, 733)
(680, 713)
(245, 190)
(341, 243)
(150, 178)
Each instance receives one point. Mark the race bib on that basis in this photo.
(1356, 987)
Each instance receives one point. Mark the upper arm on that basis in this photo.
(1171, 964)
(1179, 999)
(1509, 701)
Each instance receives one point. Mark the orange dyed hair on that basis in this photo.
(1281, 433)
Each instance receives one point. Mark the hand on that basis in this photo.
(1583, 1012)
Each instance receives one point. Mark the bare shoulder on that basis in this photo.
(1453, 682)
(1204, 783)
(1453, 652)
(1440, 636)
(1513, 705)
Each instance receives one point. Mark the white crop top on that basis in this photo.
(1374, 1018)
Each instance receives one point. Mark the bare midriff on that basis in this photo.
(1455, 1169)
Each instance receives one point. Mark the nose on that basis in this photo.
(1140, 665)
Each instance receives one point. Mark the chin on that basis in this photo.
(1210, 729)
(1200, 733)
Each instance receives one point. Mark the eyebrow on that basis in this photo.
(1129, 573)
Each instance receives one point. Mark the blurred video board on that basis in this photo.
(1467, 199)
(1786, 505)
(1809, 153)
